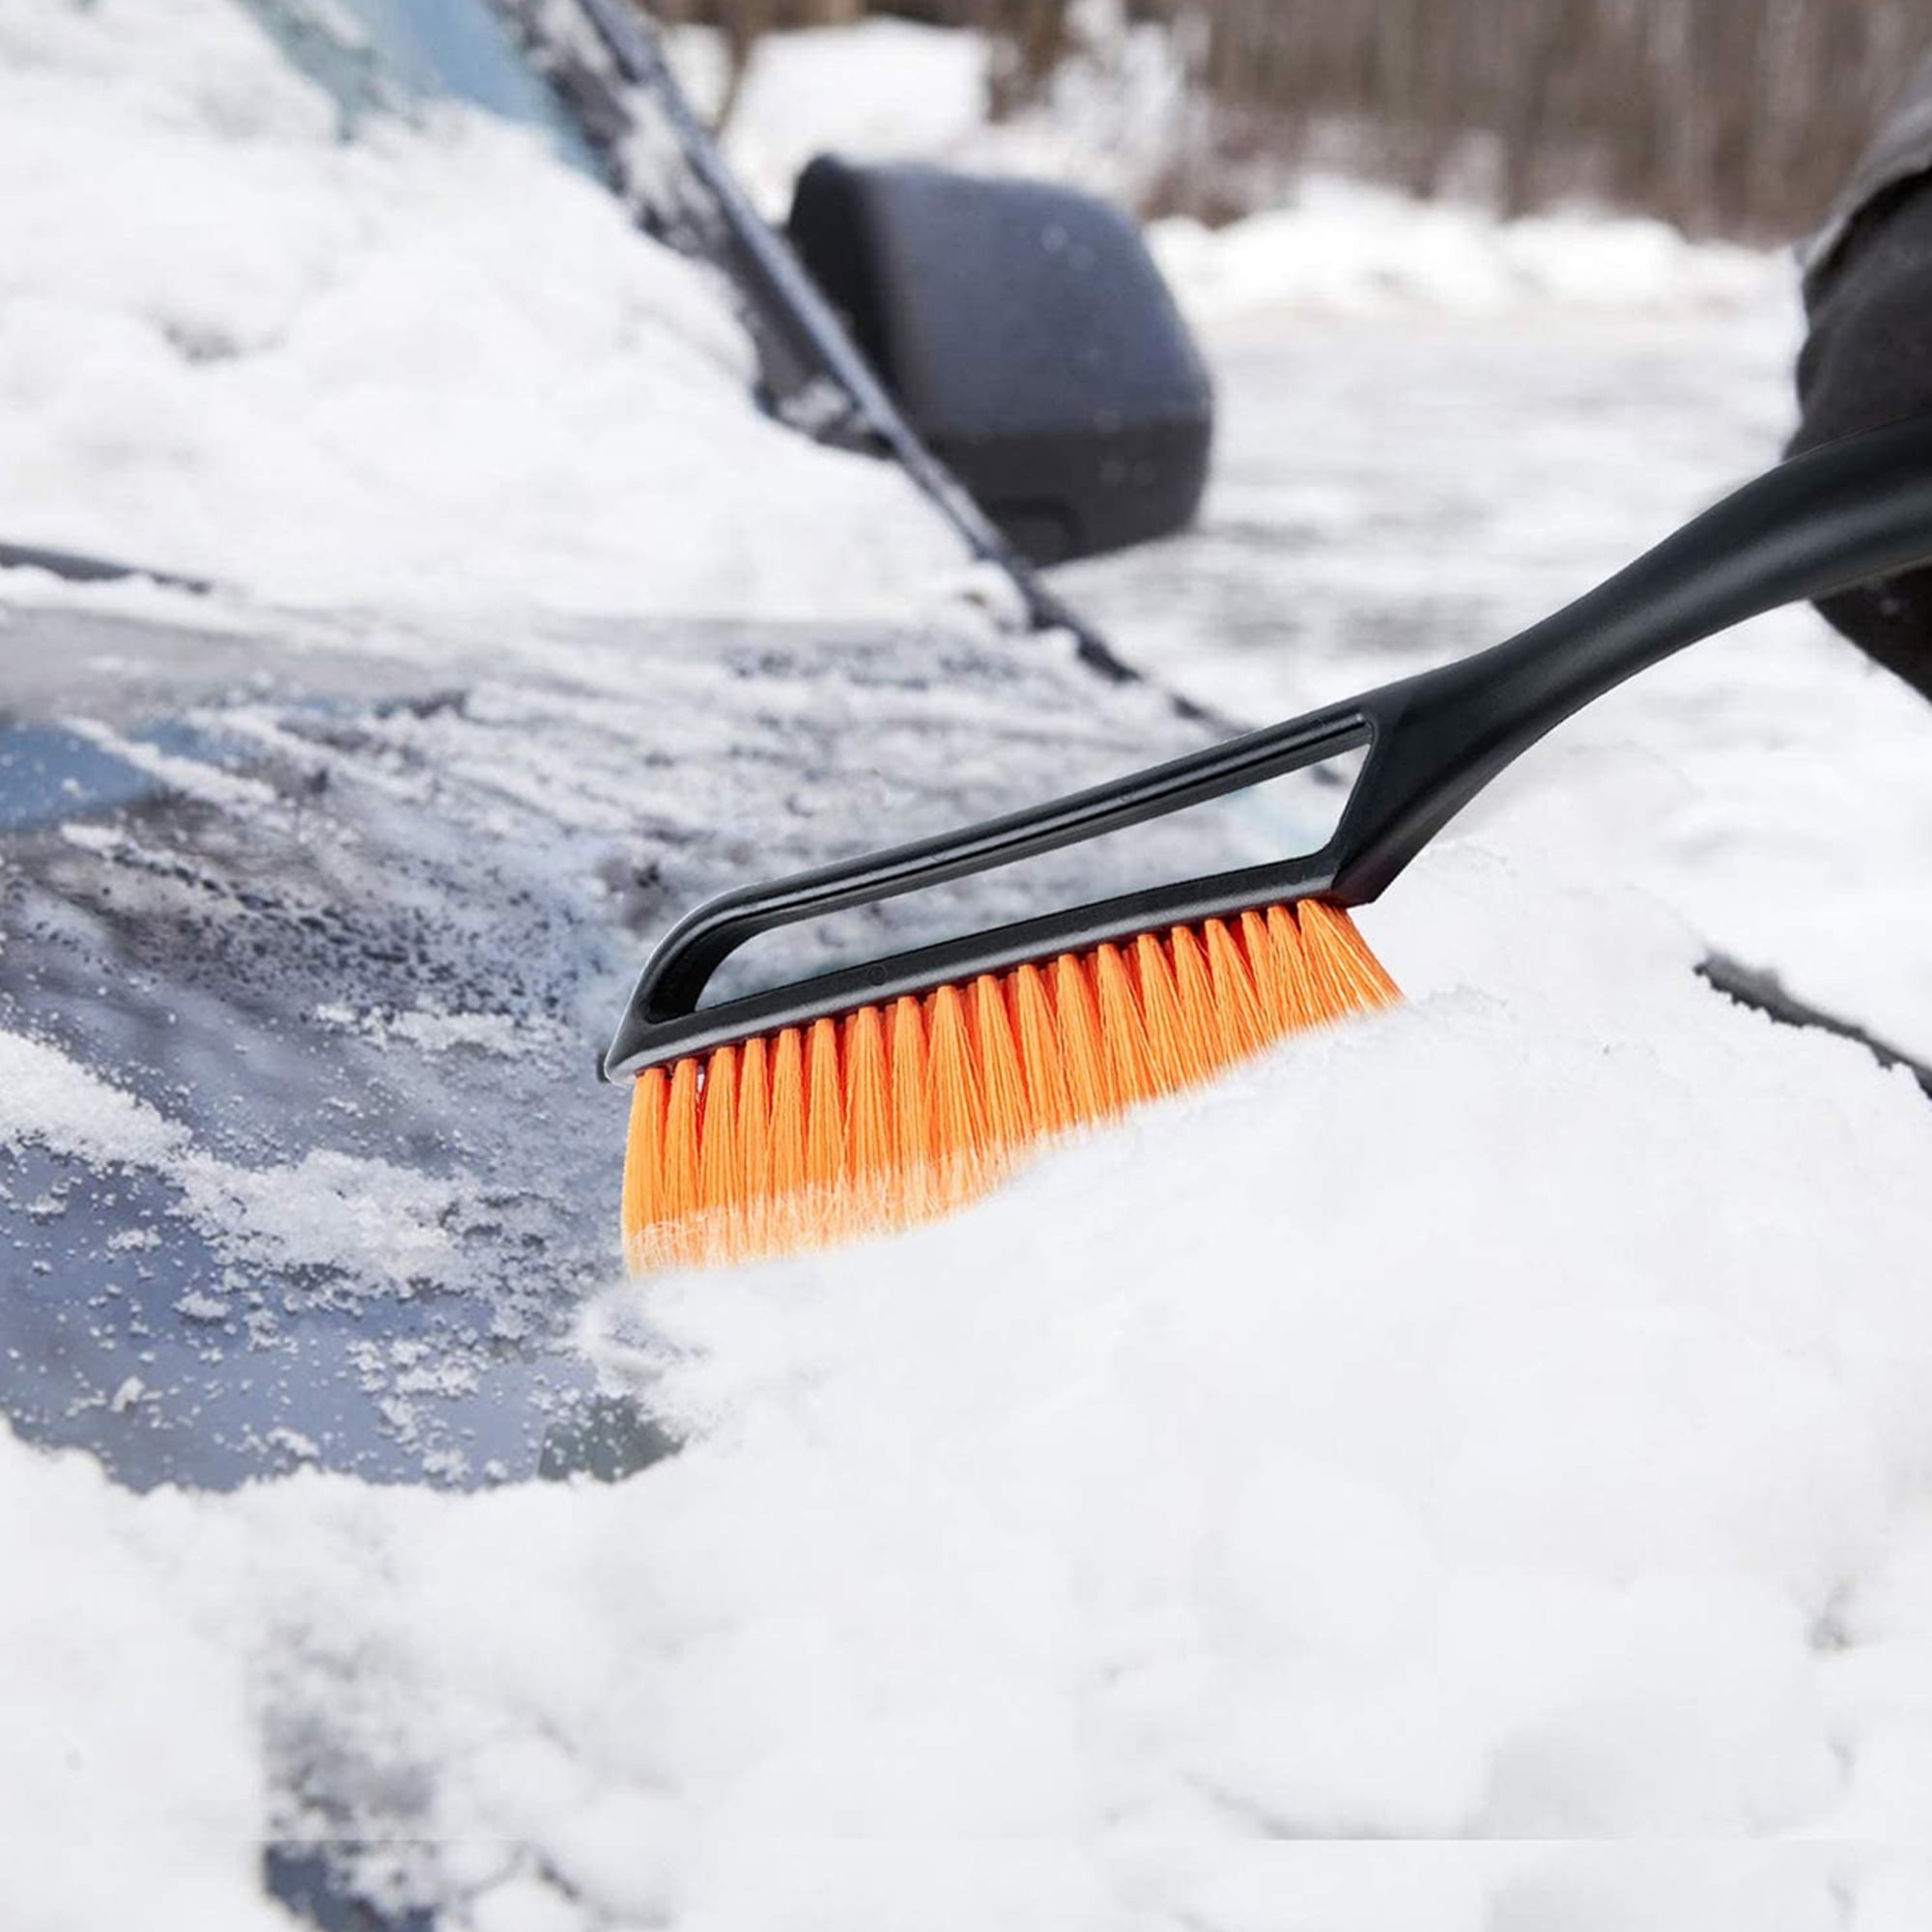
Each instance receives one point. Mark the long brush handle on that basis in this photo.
(1843, 514)
(1853, 510)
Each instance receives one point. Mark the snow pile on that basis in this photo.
(1500, 1419)
(894, 90)
(1348, 247)
(128, 1721)
(433, 365)
(878, 90)
(1117, 114)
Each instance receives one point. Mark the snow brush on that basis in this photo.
(883, 1093)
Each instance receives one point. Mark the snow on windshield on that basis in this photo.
(1487, 1422)
(433, 365)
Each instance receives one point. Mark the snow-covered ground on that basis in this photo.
(1472, 1471)
(1118, 114)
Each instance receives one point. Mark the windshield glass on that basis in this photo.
(525, 629)
(395, 56)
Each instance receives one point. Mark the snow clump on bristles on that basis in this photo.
(896, 1114)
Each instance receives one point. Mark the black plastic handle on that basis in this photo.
(1853, 510)
(663, 1020)
(1843, 514)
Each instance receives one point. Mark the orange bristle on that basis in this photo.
(643, 1165)
(1008, 1124)
(1294, 987)
(1238, 1007)
(868, 1118)
(1048, 1107)
(1121, 1025)
(824, 1108)
(1340, 961)
(785, 1114)
(755, 1137)
(897, 1114)
(718, 1181)
(1083, 1054)
(676, 1190)
(913, 1145)
(958, 1110)
(1194, 990)
(1258, 950)
(1170, 1052)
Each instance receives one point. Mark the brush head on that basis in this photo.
(892, 1114)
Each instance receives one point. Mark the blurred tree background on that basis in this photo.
(1728, 117)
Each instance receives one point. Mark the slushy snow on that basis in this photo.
(1470, 1472)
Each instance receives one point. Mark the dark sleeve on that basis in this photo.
(1867, 354)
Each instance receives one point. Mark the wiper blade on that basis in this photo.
(77, 567)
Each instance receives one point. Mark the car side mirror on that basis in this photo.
(1027, 335)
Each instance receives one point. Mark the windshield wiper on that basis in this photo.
(77, 567)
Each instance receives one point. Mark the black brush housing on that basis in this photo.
(1839, 515)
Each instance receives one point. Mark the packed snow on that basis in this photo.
(1470, 1472)
(429, 367)
(1347, 248)
(1507, 1423)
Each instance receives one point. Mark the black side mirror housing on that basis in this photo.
(1028, 336)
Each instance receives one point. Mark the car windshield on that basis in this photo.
(402, 56)
(527, 630)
